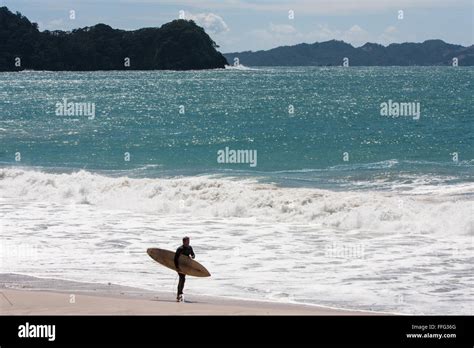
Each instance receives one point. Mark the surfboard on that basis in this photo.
(187, 265)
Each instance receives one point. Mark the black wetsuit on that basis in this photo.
(188, 251)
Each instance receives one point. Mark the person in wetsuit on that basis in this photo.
(187, 250)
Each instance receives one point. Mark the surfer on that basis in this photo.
(187, 250)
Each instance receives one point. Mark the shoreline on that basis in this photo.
(26, 295)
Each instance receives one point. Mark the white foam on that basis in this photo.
(240, 67)
(434, 209)
(384, 251)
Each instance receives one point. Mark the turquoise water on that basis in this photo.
(390, 229)
(335, 111)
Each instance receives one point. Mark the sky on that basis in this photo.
(242, 25)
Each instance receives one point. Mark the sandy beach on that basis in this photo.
(24, 295)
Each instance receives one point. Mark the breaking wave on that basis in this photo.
(438, 209)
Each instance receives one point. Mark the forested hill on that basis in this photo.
(332, 53)
(178, 45)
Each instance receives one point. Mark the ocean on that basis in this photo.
(344, 187)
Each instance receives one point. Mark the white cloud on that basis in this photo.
(282, 28)
(356, 36)
(55, 24)
(281, 35)
(211, 22)
(389, 35)
(391, 30)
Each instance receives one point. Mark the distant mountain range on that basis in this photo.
(178, 45)
(332, 53)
